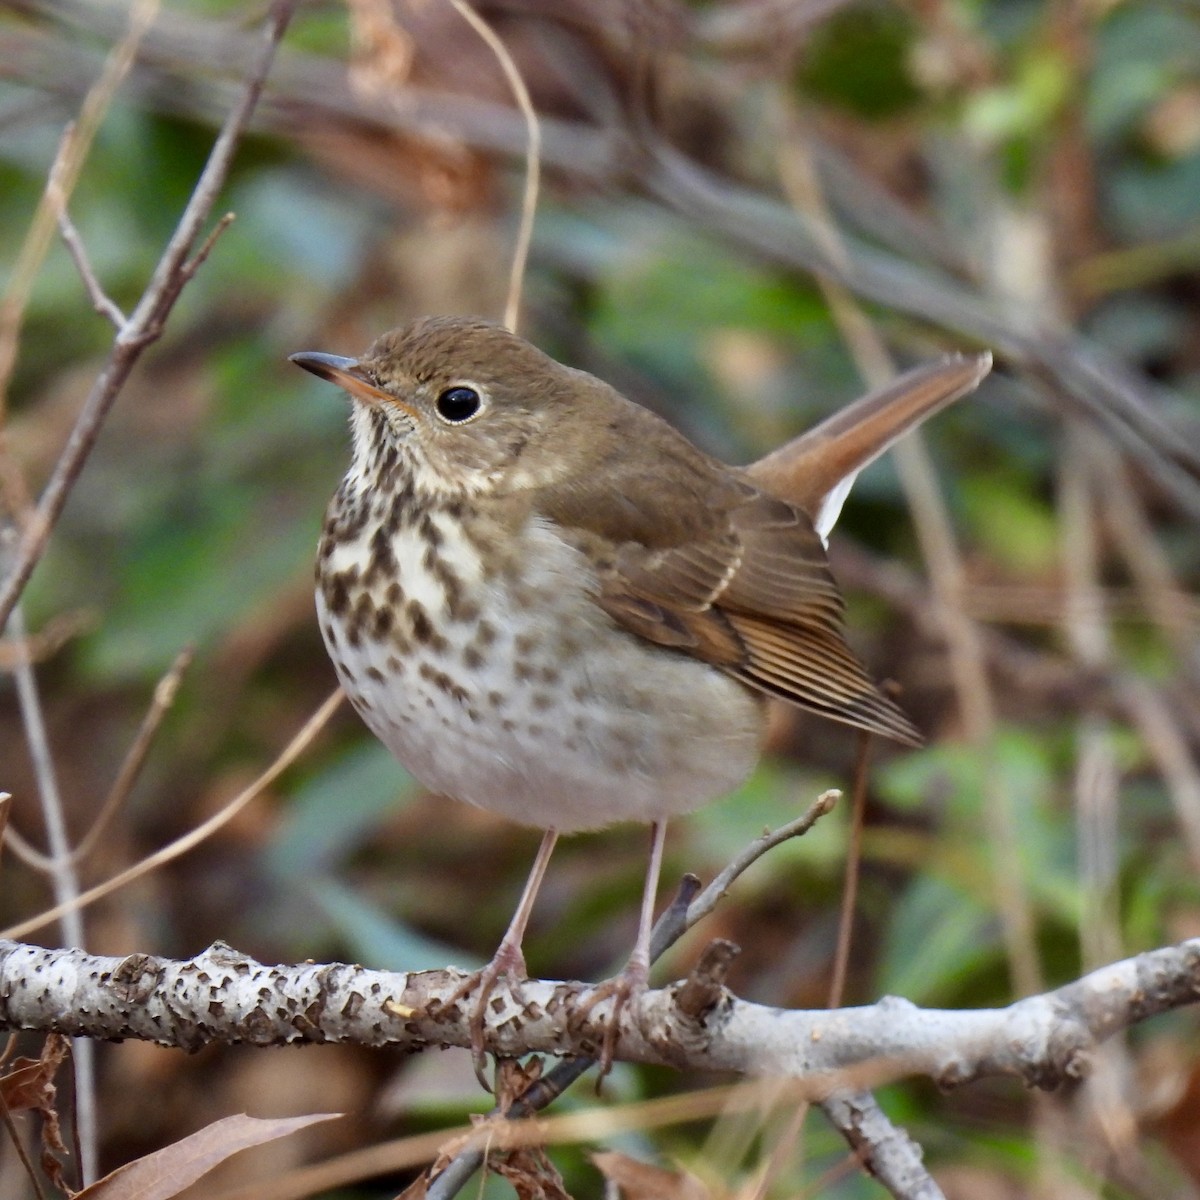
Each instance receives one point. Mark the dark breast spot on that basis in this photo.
(443, 683)
(382, 562)
(361, 616)
(420, 624)
(336, 592)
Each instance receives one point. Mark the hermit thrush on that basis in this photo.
(545, 601)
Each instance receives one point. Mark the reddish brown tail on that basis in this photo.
(814, 470)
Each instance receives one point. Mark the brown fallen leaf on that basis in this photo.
(644, 1181)
(29, 1082)
(166, 1172)
(29, 1086)
(532, 1175)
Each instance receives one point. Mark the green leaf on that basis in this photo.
(938, 936)
(337, 810)
(377, 938)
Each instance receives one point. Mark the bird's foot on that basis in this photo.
(622, 988)
(507, 963)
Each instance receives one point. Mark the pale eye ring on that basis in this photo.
(458, 404)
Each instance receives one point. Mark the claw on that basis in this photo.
(621, 989)
(508, 962)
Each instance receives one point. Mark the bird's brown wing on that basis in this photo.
(695, 556)
(756, 598)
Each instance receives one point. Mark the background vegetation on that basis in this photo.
(1021, 175)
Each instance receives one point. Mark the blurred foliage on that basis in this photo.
(196, 519)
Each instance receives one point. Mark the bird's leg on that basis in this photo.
(509, 960)
(636, 975)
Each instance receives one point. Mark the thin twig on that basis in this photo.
(135, 757)
(712, 895)
(1158, 591)
(65, 882)
(101, 301)
(206, 829)
(858, 811)
(53, 635)
(1157, 720)
(164, 696)
(72, 151)
(782, 1149)
(533, 158)
(589, 1125)
(145, 324)
(194, 264)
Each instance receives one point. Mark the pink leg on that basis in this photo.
(509, 959)
(639, 960)
(636, 975)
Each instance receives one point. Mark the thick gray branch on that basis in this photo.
(223, 996)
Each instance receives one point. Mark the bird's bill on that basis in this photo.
(348, 374)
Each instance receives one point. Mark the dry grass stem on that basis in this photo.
(192, 839)
(533, 159)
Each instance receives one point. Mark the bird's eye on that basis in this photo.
(458, 404)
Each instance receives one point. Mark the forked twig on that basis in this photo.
(145, 324)
(56, 196)
(64, 881)
(135, 757)
(205, 829)
(72, 151)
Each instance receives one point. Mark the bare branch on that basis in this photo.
(101, 301)
(145, 324)
(1044, 1040)
(887, 1152)
(64, 879)
(666, 932)
(190, 267)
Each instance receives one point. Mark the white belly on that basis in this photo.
(548, 716)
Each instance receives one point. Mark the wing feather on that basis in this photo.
(698, 558)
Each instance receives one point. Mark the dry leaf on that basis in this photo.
(29, 1086)
(29, 1083)
(532, 1175)
(417, 1189)
(168, 1171)
(643, 1181)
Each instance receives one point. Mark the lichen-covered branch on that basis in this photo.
(223, 996)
